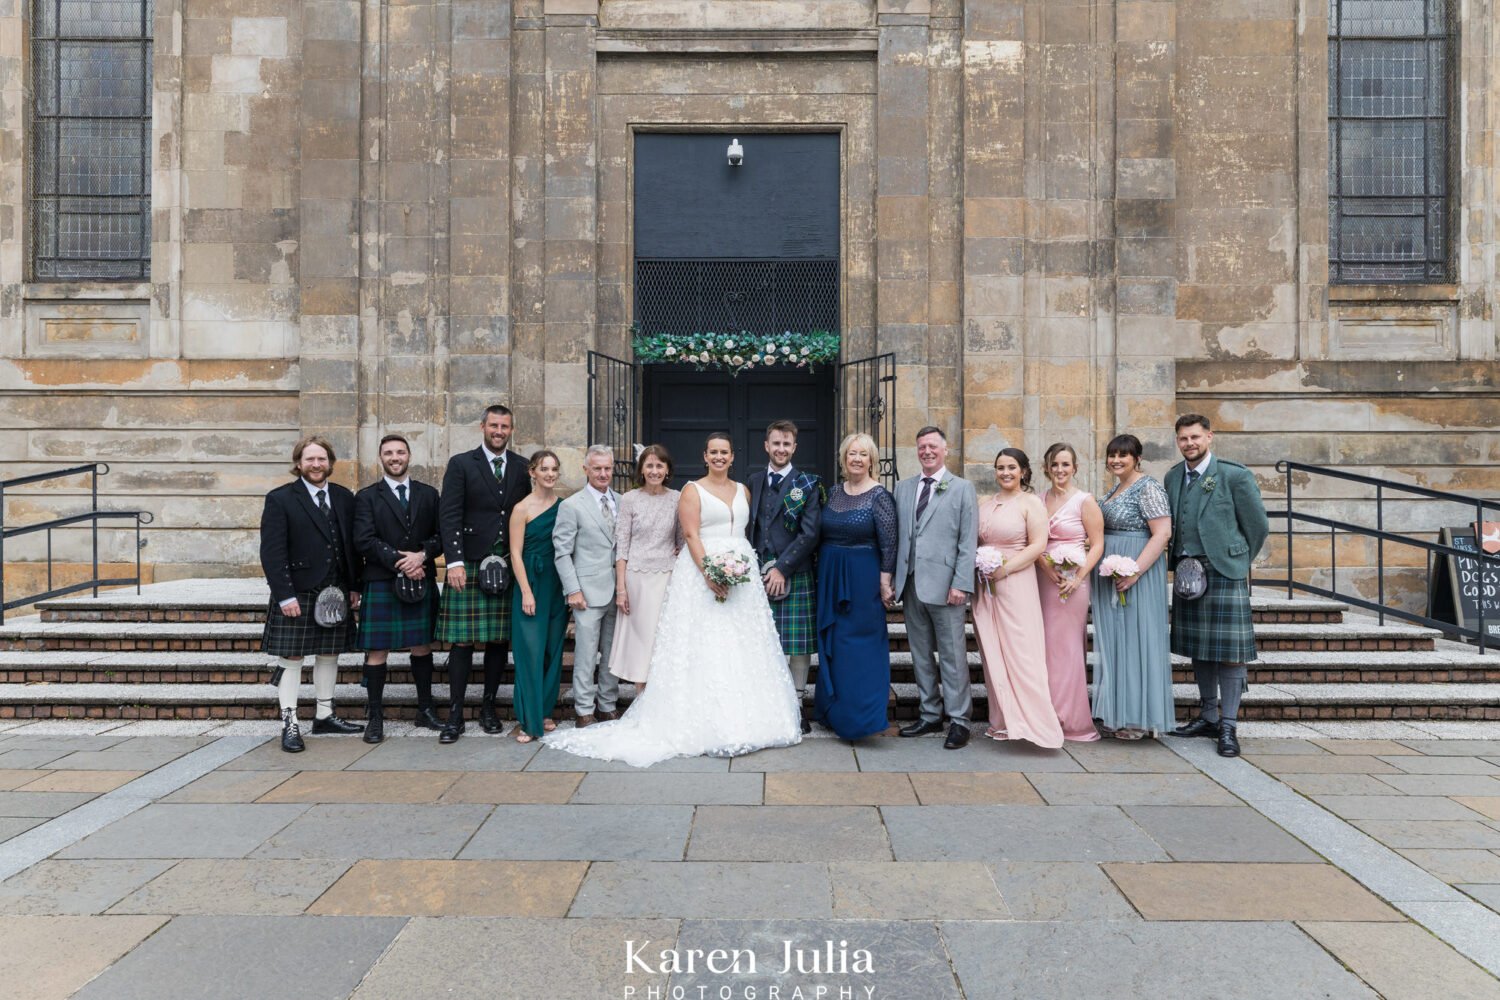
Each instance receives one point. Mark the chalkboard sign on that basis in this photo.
(1457, 585)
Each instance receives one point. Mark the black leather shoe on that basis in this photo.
(920, 728)
(806, 728)
(1229, 744)
(291, 735)
(454, 728)
(958, 737)
(333, 724)
(374, 730)
(1198, 727)
(426, 718)
(488, 720)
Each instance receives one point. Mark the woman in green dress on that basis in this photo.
(539, 614)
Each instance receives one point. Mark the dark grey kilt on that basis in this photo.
(387, 622)
(302, 636)
(1217, 626)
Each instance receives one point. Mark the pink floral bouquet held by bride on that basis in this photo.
(727, 568)
(1118, 566)
(1066, 559)
(988, 559)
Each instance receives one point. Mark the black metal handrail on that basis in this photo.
(1489, 564)
(92, 516)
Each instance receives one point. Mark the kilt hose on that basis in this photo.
(470, 617)
(387, 622)
(796, 615)
(302, 636)
(1217, 626)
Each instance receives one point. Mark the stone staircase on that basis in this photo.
(189, 649)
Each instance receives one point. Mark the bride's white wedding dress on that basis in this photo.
(718, 682)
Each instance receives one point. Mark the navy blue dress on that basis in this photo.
(857, 542)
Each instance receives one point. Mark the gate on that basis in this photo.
(614, 411)
(867, 404)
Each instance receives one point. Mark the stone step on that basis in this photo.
(1343, 636)
(258, 701)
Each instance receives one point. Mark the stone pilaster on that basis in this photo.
(945, 248)
(528, 219)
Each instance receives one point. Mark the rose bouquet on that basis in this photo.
(1066, 559)
(726, 568)
(1118, 566)
(988, 559)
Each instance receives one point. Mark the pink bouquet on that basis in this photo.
(1117, 566)
(987, 559)
(727, 568)
(1066, 559)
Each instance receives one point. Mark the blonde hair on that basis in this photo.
(863, 441)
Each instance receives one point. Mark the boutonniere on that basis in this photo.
(1208, 484)
(942, 487)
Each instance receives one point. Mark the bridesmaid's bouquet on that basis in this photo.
(988, 559)
(1117, 566)
(1066, 559)
(727, 568)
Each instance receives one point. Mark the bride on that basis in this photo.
(719, 683)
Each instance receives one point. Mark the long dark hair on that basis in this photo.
(1022, 461)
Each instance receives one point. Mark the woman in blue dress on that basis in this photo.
(856, 557)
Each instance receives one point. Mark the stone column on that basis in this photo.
(945, 237)
(528, 219)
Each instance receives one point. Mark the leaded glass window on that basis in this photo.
(91, 139)
(1390, 91)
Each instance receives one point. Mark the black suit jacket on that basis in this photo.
(296, 543)
(383, 529)
(793, 549)
(475, 509)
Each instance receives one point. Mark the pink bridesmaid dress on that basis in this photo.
(1066, 628)
(1009, 626)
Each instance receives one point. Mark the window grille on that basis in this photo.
(1390, 90)
(703, 295)
(91, 139)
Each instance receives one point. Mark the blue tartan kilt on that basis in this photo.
(472, 617)
(796, 616)
(387, 622)
(1219, 625)
(302, 636)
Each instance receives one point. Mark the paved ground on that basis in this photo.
(195, 860)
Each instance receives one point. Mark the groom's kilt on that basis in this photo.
(470, 616)
(1217, 626)
(796, 616)
(387, 622)
(303, 636)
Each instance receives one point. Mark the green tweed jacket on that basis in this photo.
(1232, 520)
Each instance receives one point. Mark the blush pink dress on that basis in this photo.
(1012, 644)
(1066, 628)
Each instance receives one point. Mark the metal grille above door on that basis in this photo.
(718, 296)
(867, 405)
(614, 411)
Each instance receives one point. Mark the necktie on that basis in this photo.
(776, 478)
(1192, 476)
(609, 512)
(922, 500)
(499, 463)
(323, 502)
(401, 495)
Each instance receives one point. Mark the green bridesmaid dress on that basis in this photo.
(537, 640)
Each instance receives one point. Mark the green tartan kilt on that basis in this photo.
(387, 622)
(472, 617)
(1217, 626)
(303, 636)
(796, 616)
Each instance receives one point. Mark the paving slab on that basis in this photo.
(1487, 806)
(355, 832)
(1443, 784)
(22, 759)
(747, 890)
(1404, 961)
(157, 744)
(16, 777)
(1471, 929)
(479, 753)
(186, 831)
(927, 754)
(1219, 833)
(15, 825)
(548, 759)
(1185, 891)
(1130, 789)
(1016, 833)
(1352, 807)
(915, 890)
(29, 965)
(455, 889)
(557, 959)
(1059, 890)
(670, 788)
(1489, 895)
(320, 958)
(1369, 729)
(97, 782)
(808, 788)
(582, 833)
(1454, 835)
(1291, 747)
(514, 787)
(223, 786)
(60, 745)
(1376, 748)
(115, 760)
(76, 887)
(234, 886)
(1145, 960)
(1339, 784)
(40, 804)
(1127, 757)
(1328, 763)
(1456, 747)
(1443, 765)
(323, 753)
(1456, 866)
(363, 786)
(809, 755)
(938, 788)
(775, 833)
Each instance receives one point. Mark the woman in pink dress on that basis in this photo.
(1008, 609)
(1075, 529)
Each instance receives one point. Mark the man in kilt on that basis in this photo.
(787, 508)
(1218, 518)
(396, 533)
(306, 546)
(479, 489)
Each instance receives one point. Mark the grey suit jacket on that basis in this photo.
(583, 544)
(938, 552)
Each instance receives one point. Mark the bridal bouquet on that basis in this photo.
(988, 559)
(727, 568)
(1117, 566)
(1066, 559)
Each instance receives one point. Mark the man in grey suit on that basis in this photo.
(937, 516)
(583, 541)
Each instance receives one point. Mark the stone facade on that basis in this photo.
(1066, 219)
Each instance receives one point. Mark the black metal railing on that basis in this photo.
(614, 395)
(1489, 565)
(92, 517)
(867, 405)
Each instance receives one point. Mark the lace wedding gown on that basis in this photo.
(718, 681)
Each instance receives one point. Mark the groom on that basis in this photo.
(786, 507)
